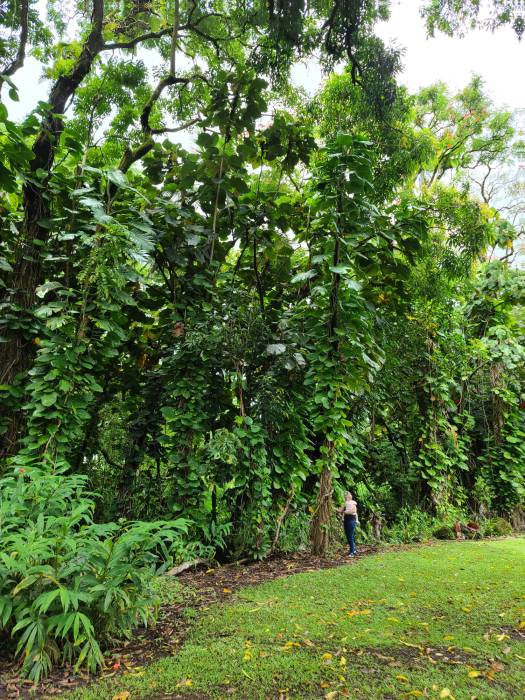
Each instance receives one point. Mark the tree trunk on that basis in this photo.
(321, 521)
(498, 404)
(16, 355)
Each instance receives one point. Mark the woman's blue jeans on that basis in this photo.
(349, 531)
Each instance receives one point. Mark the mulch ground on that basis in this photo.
(202, 588)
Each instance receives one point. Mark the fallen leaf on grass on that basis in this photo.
(401, 678)
(408, 644)
(497, 667)
(415, 693)
(122, 696)
(351, 613)
(331, 695)
(445, 693)
(474, 674)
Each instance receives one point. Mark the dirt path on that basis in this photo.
(201, 589)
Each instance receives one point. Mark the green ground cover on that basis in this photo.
(435, 622)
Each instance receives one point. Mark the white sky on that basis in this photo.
(498, 57)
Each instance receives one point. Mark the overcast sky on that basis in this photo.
(498, 57)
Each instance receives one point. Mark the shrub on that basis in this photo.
(411, 525)
(444, 533)
(295, 533)
(496, 527)
(66, 583)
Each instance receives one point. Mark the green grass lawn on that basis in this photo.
(431, 622)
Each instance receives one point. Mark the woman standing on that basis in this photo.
(349, 511)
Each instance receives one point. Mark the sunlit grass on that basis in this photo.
(430, 622)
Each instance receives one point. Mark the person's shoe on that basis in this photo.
(351, 554)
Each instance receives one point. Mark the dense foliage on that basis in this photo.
(206, 343)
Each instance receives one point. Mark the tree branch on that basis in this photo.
(19, 59)
(137, 40)
(64, 88)
(173, 130)
(175, 37)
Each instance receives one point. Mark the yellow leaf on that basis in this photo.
(474, 674)
(521, 625)
(247, 656)
(447, 638)
(331, 695)
(415, 693)
(324, 684)
(445, 693)
(226, 590)
(342, 661)
(122, 696)
(351, 613)
(402, 679)
(467, 610)
(412, 646)
(326, 656)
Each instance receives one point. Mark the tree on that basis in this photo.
(460, 15)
